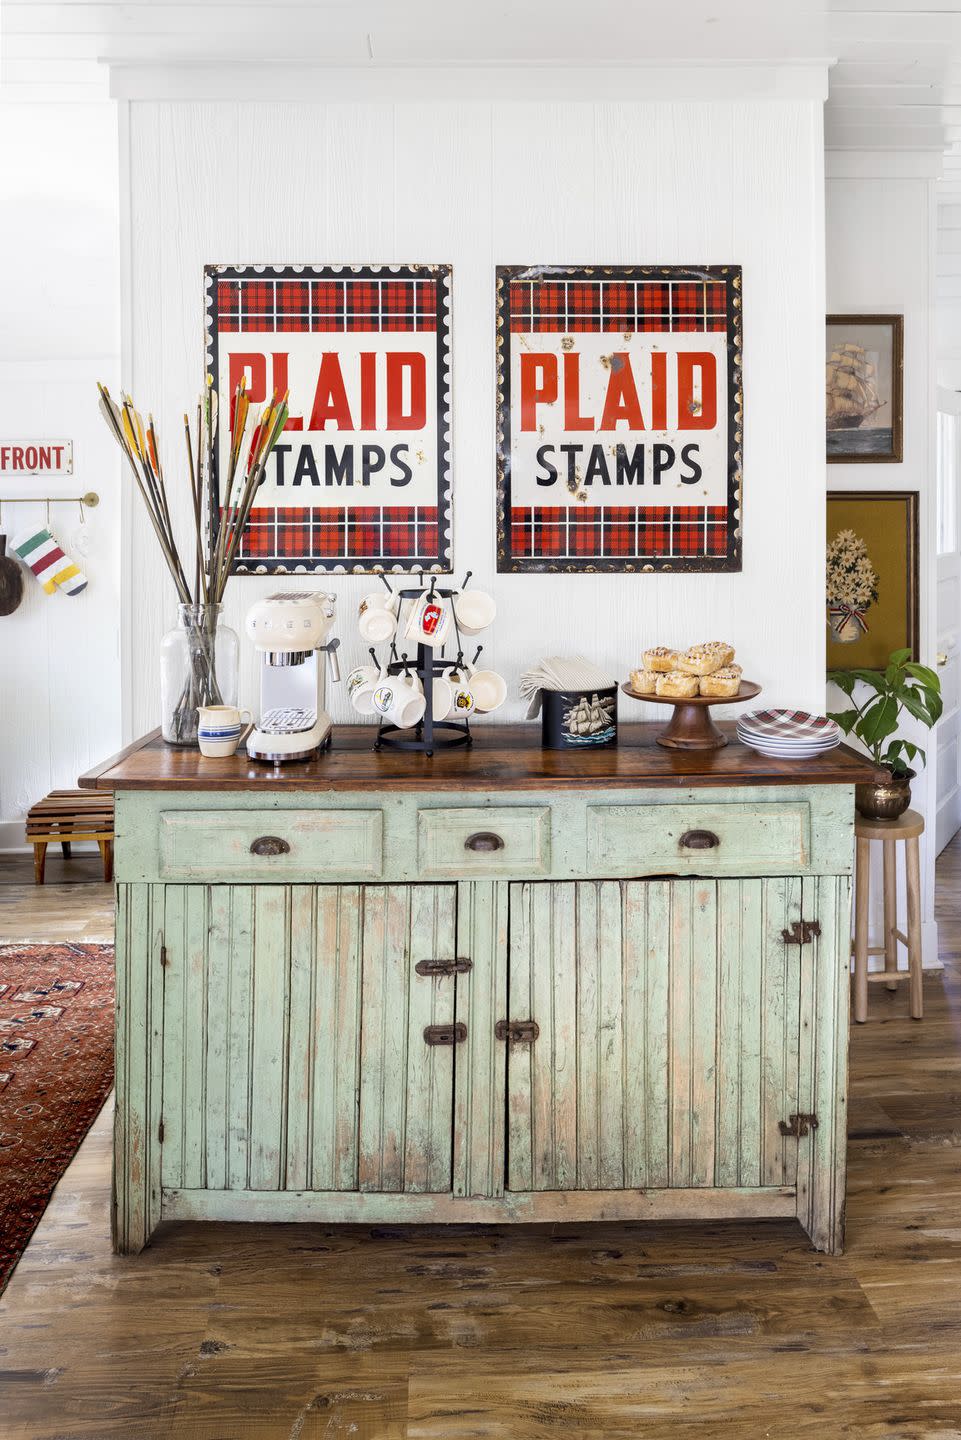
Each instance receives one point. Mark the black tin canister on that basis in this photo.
(578, 719)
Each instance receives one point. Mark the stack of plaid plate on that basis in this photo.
(790, 734)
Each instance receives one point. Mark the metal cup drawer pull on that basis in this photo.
(699, 840)
(484, 842)
(270, 845)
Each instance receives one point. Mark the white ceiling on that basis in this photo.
(896, 83)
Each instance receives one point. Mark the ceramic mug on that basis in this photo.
(475, 610)
(462, 702)
(398, 700)
(442, 695)
(489, 689)
(361, 683)
(377, 617)
(219, 729)
(429, 621)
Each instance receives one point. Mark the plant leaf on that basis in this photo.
(844, 680)
(844, 718)
(874, 678)
(879, 721)
(925, 675)
(916, 704)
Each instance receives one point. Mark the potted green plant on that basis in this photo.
(903, 685)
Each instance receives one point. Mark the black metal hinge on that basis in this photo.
(459, 965)
(160, 1132)
(163, 955)
(799, 1125)
(519, 1032)
(445, 1034)
(802, 932)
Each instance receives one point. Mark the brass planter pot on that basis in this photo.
(884, 799)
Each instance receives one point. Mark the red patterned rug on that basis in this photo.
(56, 1070)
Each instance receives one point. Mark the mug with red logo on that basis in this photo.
(429, 621)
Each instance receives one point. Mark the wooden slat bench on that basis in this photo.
(68, 815)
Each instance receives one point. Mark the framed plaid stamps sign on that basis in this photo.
(361, 480)
(619, 418)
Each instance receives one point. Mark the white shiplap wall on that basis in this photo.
(59, 330)
(880, 241)
(478, 184)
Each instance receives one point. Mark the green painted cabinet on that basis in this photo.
(506, 1036)
(669, 1017)
(294, 1055)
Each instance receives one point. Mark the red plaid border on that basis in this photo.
(619, 531)
(336, 304)
(553, 306)
(300, 534)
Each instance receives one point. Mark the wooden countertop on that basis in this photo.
(502, 757)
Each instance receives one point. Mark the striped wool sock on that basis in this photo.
(40, 552)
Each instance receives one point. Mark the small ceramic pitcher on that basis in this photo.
(219, 729)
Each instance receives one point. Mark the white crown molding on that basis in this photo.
(803, 80)
(883, 164)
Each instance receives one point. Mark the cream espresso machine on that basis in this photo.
(290, 631)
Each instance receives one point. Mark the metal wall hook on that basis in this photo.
(466, 578)
(90, 499)
(476, 654)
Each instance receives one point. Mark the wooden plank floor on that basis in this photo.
(687, 1332)
(73, 904)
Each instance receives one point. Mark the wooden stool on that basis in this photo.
(908, 827)
(68, 815)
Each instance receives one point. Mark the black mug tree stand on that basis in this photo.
(426, 738)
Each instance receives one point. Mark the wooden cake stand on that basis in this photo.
(691, 726)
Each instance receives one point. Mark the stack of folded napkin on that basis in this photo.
(564, 673)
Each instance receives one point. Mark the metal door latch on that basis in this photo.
(518, 1032)
(802, 932)
(459, 965)
(445, 1034)
(799, 1125)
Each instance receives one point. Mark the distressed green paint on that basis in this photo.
(444, 851)
(480, 1071)
(282, 1044)
(761, 838)
(669, 1015)
(215, 845)
(199, 836)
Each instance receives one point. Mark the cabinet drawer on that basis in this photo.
(264, 845)
(513, 841)
(703, 838)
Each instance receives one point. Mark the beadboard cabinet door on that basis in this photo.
(294, 1055)
(668, 1052)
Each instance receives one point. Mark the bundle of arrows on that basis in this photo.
(218, 522)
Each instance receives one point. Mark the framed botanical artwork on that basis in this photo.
(864, 360)
(619, 417)
(872, 577)
(361, 480)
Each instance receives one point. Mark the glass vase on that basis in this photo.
(198, 666)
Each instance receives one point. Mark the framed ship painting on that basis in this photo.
(872, 577)
(620, 415)
(361, 481)
(864, 360)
